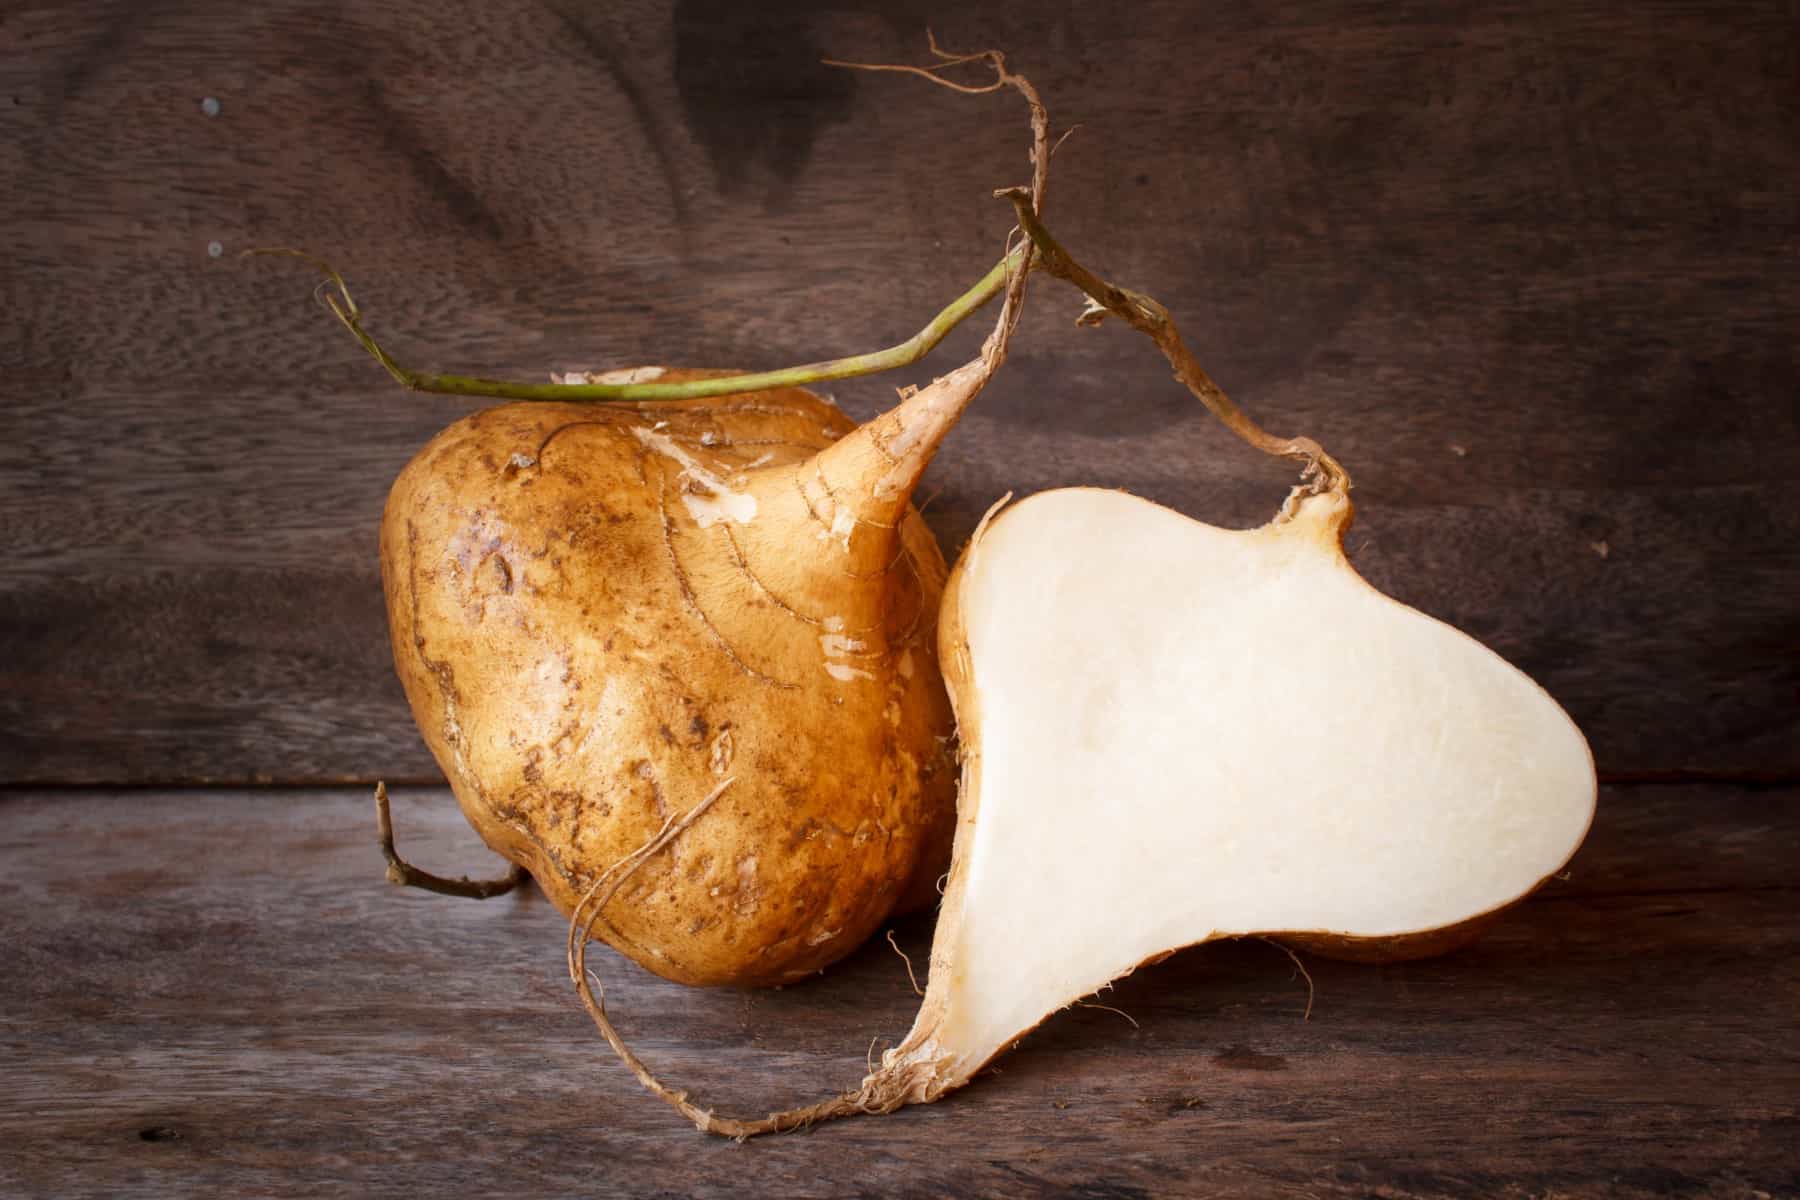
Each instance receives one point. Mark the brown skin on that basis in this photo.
(586, 657)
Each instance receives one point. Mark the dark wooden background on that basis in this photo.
(1530, 270)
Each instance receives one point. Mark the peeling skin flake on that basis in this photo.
(838, 645)
(629, 375)
(722, 751)
(721, 504)
(616, 377)
(842, 645)
(842, 522)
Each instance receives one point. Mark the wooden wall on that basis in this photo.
(1529, 270)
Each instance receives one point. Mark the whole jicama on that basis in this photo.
(612, 618)
(602, 614)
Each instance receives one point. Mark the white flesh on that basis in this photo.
(1184, 732)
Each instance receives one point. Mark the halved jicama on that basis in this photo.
(1174, 733)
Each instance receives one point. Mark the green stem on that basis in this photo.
(905, 353)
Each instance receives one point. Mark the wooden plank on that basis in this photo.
(1528, 271)
(215, 993)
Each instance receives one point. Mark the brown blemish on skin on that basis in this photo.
(570, 802)
(646, 771)
(440, 671)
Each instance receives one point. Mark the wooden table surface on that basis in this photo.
(216, 993)
(1532, 271)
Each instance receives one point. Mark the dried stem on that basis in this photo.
(335, 294)
(1003, 78)
(1322, 472)
(404, 874)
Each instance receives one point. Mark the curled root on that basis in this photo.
(910, 977)
(881, 1092)
(404, 874)
(1301, 968)
(1109, 1008)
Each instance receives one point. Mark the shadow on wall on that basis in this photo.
(754, 90)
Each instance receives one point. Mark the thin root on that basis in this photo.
(404, 874)
(1304, 973)
(1109, 1008)
(876, 1095)
(914, 979)
(993, 58)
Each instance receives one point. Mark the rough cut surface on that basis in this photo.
(1174, 733)
(603, 613)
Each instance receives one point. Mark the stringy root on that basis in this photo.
(1300, 967)
(882, 1091)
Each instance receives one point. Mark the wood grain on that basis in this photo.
(1528, 271)
(209, 993)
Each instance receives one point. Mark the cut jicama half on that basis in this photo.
(1174, 733)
